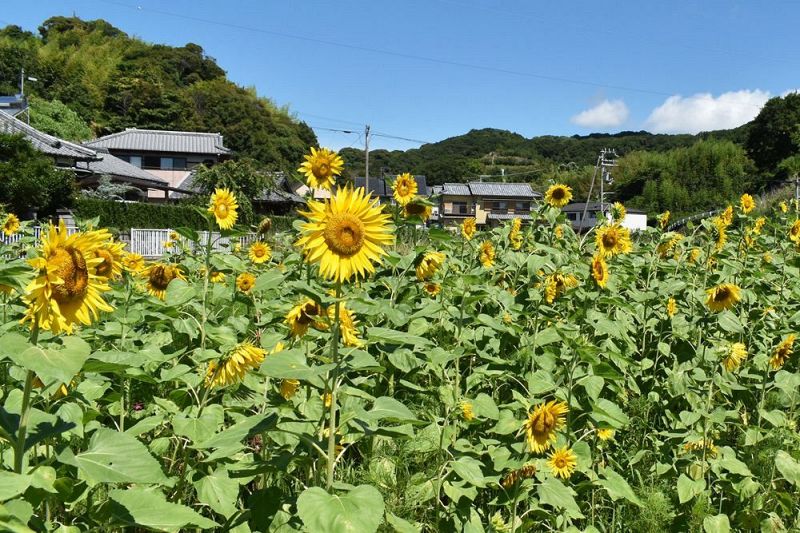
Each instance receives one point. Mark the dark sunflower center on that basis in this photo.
(415, 209)
(610, 240)
(321, 169)
(221, 210)
(106, 267)
(160, 276)
(722, 295)
(561, 462)
(544, 422)
(558, 194)
(70, 267)
(308, 313)
(344, 234)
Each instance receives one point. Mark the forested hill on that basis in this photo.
(487, 151)
(113, 81)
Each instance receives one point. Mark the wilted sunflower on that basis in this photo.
(468, 228)
(345, 234)
(613, 239)
(234, 366)
(542, 423)
(672, 307)
(159, 276)
(429, 264)
(67, 288)
(699, 445)
(347, 325)
(694, 255)
(735, 353)
(618, 212)
(562, 462)
(782, 352)
(223, 204)
(418, 208)
(432, 288)
(486, 254)
(758, 225)
(321, 168)
(264, 226)
(558, 195)
(133, 263)
(511, 479)
(303, 315)
(723, 296)
(11, 224)
(747, 203)
(111, 253)
(666, 247)
(289, 388)
(245, 281)
(405, 188)
(599, 270)
(259, 252)
(466, 411)
(663, 219)
(794, 232)
(557, 284)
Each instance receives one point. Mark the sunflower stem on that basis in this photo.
(25, 411)
(333, 378)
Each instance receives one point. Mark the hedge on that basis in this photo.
(126, 215)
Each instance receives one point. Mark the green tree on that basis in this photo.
(28, 180)
(773, 134)
(245, 177)
(57, 119)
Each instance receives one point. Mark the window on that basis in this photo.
(460, 208)
(523, 206)
(152, 161)
(135, 160)
(179, 163)
(572, 216)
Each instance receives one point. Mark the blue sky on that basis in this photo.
(431, 69)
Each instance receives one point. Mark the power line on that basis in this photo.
(405, 55)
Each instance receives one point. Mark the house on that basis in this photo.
(634, 220)
(489, 203)
(88, 164)
(279, 200)
(168, 155)
(13, 105)
(382, 188)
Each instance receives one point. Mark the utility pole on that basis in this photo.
(366, 158)
(607, 160)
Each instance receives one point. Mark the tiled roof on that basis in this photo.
(52, 146)
(595, 206)
(456, 189)
(114, 166)
(179, 142)
(13, 105)
(514, 190)
(508, 216)
(277, 195)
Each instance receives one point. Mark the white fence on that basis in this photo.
(149, 243)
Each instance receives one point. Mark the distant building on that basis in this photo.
(169, 155)
(279, 200)
(489, 203)
(635, 219)
(13, 105)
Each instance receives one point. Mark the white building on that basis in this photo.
(635, 219)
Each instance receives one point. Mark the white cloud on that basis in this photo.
(605, 114)
(705, 112)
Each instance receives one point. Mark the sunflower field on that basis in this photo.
(362, 373)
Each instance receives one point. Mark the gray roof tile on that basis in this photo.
(514, 190)
(179, 142)
(52, 146)
(456, 189)
(114, 166)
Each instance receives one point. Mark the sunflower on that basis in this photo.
(605, 434)
(303, 315)
(542, 423)
(726, 217)
(223, 205)
(735, 353)
(173, 236)
(466, 411)
(432, 288)
(618, 212)
(468, 228)
(345, 234)
(264, 226)
(418, 208)
(613, 239)
(694, 255)
(216, 277)
(758, 225)
(599, 270)
(699, 445)
(259, 252)
(747, 203)
(516, 241)
(767, 257)
(557, 284)
(782, 352)
(111, 254)
(234, 366)
(159, 276)
(562, 462)
(405, 188)
(321, 168)
(245, 281)
(672, 307)
(511, 479)
(516, 225)
(429, 264)
(133, 263)
(559, 231)
(486, 254)
(721, 232)
(666, 247)
(784, 207)
(289, 388)
(347, 325)
(67, 289)
(663, 219)
(558, 195)
(11, 224)
(723, 296)
(794, 232)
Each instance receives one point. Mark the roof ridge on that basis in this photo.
(167, 132)
(46, 138)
